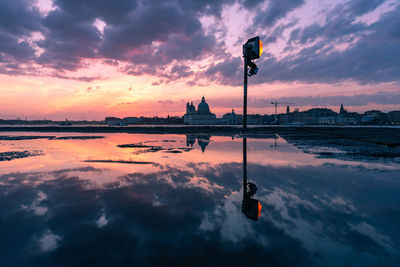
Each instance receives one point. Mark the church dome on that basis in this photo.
(203, 107)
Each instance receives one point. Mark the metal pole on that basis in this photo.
(245, 93)
(244, 167)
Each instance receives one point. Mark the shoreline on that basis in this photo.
(173, 129)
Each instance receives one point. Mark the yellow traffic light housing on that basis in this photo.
(253, 48)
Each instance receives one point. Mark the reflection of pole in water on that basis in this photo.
(244, 167)
(274, 145)
(250, 207)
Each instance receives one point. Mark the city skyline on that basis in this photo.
(282, 109)
(95, 59)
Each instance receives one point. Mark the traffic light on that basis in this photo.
(253, 48)
(253, 68)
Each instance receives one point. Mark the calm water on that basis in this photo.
(176, 200)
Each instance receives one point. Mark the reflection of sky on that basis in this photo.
(54, 208)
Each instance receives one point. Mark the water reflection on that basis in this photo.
(202, 140)
(56, 209)
(250, 207)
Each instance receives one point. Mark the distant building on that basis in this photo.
(312, 116)
(342, 110)
(201, 116)
(232, 118)
(346, 118)
(254, 119)
(374, 117)
(112, 121)
(349, 118)
(131, 120)
(394, 117)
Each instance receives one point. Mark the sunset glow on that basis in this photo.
(91, 59)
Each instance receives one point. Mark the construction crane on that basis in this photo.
(276, 103)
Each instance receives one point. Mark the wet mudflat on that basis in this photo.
(176, 200)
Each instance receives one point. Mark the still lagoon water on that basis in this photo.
(69, 199)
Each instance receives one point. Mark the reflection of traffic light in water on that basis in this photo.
(250, 207)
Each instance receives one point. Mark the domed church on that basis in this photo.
(202, 116)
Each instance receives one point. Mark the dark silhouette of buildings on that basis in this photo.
(201, 116)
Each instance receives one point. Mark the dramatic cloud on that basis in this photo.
(68, 41)
(18, 19)
(167, 39)
(370, 57)
(275, 10)
(337, 50)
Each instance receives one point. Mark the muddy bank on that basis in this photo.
(150, 149)
(11, 155)
(383, 134)
(120, 161)
(33, 137)
(366, 144)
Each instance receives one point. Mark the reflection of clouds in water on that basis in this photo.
(319, 208)
(203, 183)
(102, 221)
(228, 219)
(342, 205)
(48, 241)
(370, 231)
(35, 206)
(123, 222)
(314, 206)
(168, 217)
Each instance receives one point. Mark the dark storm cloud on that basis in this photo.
(18, 18)
(275, 10)
(113, 12)
(68, 40)
(251, 4)
(277, 32)
(360, 7)
(226, 72)
(209, 7)
(151, 37)
(373, 58)
(76, 78)
(339, 22)
(371, 53)
(151, 23)
(181, 48)
(18, 50)
(131, 28)
(130, 32)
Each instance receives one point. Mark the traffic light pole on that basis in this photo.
(245, 93)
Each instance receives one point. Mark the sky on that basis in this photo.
(88, 59)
